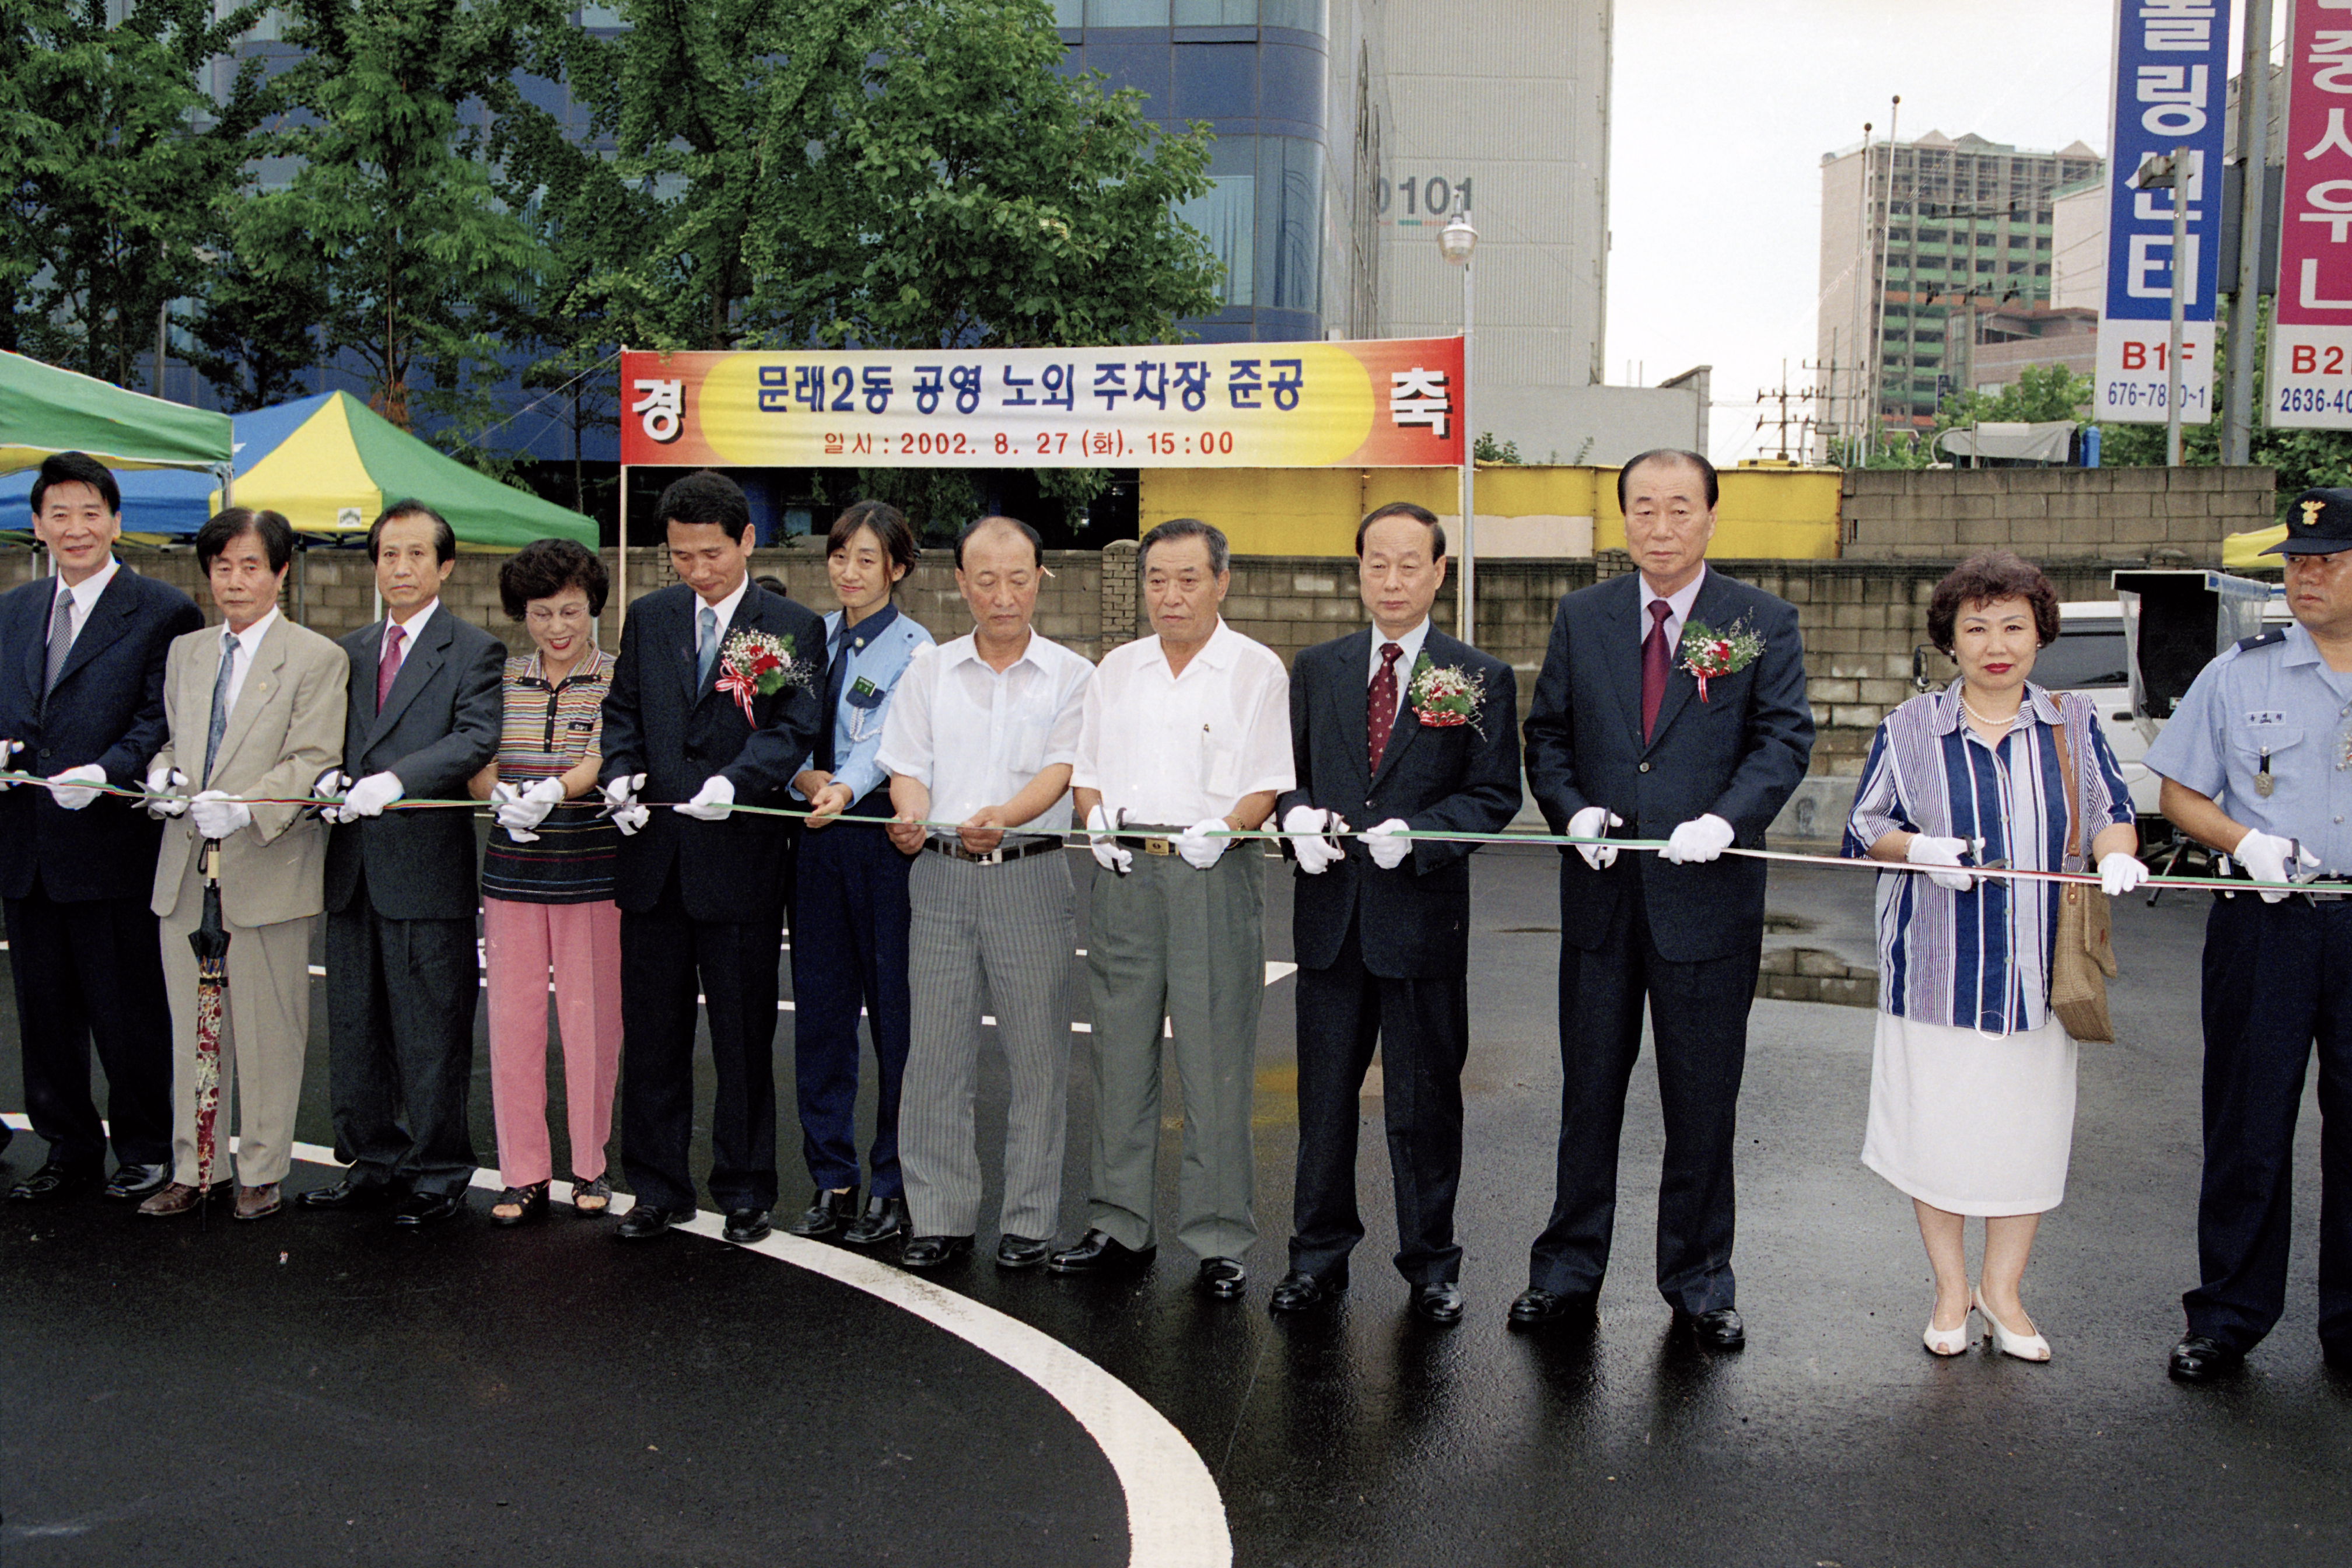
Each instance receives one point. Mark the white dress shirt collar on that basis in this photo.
(86, 592)
(1412, 642)
(1223, 647)
(247, 646)
(411, 628)
(725, 609)
(1678, 604)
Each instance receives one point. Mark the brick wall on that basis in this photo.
(2120, 515)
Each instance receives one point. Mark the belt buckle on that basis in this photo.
(992, 858)
(1160, 846)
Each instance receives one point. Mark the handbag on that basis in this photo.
(2086, 951)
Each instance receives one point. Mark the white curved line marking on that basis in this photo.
(1175, 1515)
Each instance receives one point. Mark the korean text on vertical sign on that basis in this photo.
(2310, 367)
(2171, 91)
(1391, 402)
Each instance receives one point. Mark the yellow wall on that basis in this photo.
(1765, 514)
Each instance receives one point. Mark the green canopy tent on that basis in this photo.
(331, 464)
(43, 410)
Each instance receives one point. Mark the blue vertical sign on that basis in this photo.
(2171, 91)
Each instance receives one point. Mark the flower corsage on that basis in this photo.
(1708, 652)
(759, 664)
(1445, 696)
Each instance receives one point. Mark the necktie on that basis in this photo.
(1381, 704)
(387, 668)
(706, 647)
(1655, 660)
(219, 725)
(836, 682)
(61, 633)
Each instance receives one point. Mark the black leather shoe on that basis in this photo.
(349, 1194)
(421, 1209)
(646, 1221)
(1097, 1253)
(131, 1182)
(1537, 1307)
(2200, 1358)
(1720, 1330)
(934, 1251)
(1021, 1251)
(1303, 1293)
(745, 1227)
(1440, 1302)
(883, 1219)
(56, 1181)
(1223, 1277)
(827, 1212)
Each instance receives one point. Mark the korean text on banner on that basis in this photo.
(2172, 77)
(1393, 402)
(2310, 379)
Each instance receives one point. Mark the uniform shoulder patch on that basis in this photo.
(2262, 639)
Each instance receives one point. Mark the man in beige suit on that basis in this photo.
(254, 710)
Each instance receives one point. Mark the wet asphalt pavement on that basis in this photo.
(316, 1389)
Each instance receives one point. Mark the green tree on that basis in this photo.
(117, 163)
(876, 174)
(392, 214)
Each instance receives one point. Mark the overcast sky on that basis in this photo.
(1723, 110)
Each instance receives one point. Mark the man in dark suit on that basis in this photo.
(403, 887)
(1405, 728)
(1623, 734)
(81, 704)
(701, 888)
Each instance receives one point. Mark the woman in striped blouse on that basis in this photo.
(547, 885)
(1973, 1078)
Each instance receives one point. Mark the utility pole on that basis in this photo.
(2245, 307)
(1783, 396)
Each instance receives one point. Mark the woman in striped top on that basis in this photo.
(1973, 1078)
(547, 885)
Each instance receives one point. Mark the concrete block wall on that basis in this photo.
(2124, 515)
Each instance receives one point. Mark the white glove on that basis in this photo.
(1387, 843)
(1107, 853)
(1204, 843)
(369, 796)
(1590, 823)
(621, 804)
(714, 802)
(1699, 840)
(2119, 873)
(520, 811)
(77, 787)
(1315, 855)
(7, 750)
(216, 815)
(1928, 850)
(166, 792)
(2266, 856)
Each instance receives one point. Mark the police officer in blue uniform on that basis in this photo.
(2257, 761)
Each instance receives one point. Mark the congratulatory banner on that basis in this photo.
(1393, 402)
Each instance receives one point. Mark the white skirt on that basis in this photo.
(1970, 1124)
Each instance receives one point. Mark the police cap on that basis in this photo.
(2318, 523)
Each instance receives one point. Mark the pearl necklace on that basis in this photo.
(1976, 718)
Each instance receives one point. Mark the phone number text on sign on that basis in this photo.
(1108, 444)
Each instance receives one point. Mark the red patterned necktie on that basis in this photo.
(1653, 668)
(387, 668)
(1381, 705)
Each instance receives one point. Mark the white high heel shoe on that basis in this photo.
(1948, 1341)
(2024, 1347)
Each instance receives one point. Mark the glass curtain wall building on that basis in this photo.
(1262, 73)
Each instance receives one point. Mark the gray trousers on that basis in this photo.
(1168, 941)
(980, 934)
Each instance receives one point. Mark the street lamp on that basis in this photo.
(1455, 241)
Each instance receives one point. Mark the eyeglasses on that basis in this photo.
(542, 616)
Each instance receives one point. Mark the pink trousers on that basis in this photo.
(580, 943)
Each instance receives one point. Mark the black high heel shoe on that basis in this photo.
(529, 1202)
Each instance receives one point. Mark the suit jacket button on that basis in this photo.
(1645, 767)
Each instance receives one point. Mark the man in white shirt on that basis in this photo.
(982, 732)
(1185, 742)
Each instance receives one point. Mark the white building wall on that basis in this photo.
(1512, 99)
